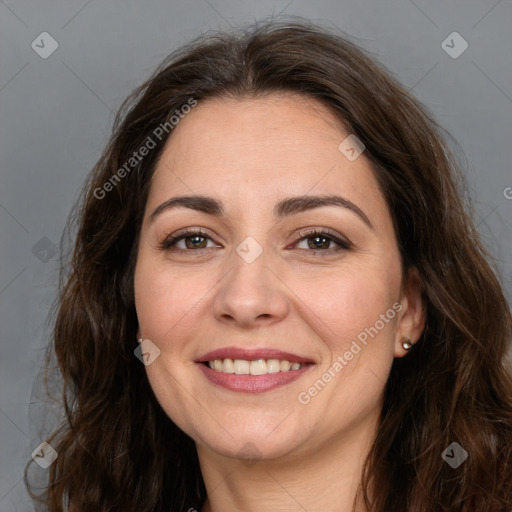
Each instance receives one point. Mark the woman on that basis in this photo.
(276, 299)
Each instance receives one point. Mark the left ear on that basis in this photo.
(412, 318)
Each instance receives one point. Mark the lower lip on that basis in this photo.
(252, 383)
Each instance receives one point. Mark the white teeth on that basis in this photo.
(284, 366)
(272, 365)
(241, 366)
(256, 367)
(228, 366)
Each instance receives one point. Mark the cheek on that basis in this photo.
(164, 300)
(348, 301)
(361, 321)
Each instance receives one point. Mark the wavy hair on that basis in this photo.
(119, 451)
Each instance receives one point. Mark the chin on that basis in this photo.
(250, 444)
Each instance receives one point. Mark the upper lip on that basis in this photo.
(252, 354)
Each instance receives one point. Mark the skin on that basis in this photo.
(250, 154)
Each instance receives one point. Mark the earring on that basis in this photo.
(139, 340)
(407, 344)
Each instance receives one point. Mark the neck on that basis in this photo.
(325, 477)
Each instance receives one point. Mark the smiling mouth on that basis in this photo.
(252, 375)
(253, 370)
(254, 367)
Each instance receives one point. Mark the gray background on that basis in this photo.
(56, 114)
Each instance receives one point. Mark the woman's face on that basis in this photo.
(256, 284)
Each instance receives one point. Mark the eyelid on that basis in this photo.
(308, 231)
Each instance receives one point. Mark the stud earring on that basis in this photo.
(139, 340)
(407, 344)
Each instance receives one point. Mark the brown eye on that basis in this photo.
(193, 239)
(320, 241)
(195, 242)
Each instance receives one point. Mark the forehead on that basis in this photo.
(251, 152)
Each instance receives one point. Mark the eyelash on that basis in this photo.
(344, 245)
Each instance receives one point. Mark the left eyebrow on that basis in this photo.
(284, 208)
(293, 205)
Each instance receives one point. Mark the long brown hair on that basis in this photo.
(119, 451)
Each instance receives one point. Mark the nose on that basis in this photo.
(251, 294)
